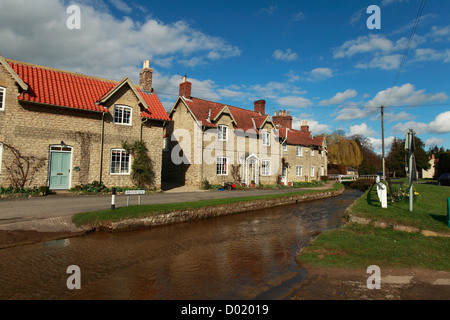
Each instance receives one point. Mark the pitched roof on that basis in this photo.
(302, 138)
(206, 111)
(67, 89)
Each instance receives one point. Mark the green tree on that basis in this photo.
(397, 158)
(142, 172)
(371, 162)
(342, 150)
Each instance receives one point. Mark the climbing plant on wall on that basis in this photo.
(142, 171)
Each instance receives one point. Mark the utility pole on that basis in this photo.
(382, 142)
(410, 147)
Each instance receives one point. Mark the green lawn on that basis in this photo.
(93, 217)
(356, 246)
(429, 210)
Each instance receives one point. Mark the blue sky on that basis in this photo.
(316, 59)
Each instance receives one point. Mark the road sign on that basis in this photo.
(134, 192)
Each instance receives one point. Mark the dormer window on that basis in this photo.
(223, 133)
(2, 98)
(122, 115)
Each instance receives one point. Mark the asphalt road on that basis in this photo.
(26, 209)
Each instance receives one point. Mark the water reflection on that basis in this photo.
(241, 256)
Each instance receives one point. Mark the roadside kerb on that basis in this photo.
(210, 211)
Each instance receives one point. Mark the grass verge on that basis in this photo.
(356, 246)
(429, 210)
(93, 217)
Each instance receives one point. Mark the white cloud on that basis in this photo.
(320, 74)
(121, 5)
(285, 56)
(404, 95)
(402, 128)
(363, 44)
(377, 144)
(428, 54)
(314, 126)
(439, 34)
(433, 141)
(294, 101)
(292, 76)
(441, 124)
(401, 116)
(36, 32)
(340, 97)
(388, 62)
(361, 129)
(354, 112)
(299, 16)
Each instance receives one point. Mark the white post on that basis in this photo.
(113, 199)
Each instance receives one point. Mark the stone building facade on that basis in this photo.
(220, 143)
(76, 124)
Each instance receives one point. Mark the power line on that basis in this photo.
(408, 45)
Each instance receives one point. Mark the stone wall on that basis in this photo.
(212, 211)
(33, 128)
(307, 161)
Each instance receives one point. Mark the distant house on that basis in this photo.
(304, 157)
(430, 173)
(77, 124)
(220, 143)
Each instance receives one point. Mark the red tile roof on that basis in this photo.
(205, 111)
(297, 137)
(66, 89)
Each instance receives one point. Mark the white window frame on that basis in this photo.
(299, 154)
(312, 152)
(265, 167)
(222, 130)
(297, 168)
(2, 98)
(123, 108)
(284, 146)
(120, 163)
(266, 139)
(313, 172)
(221, 167)
(322, 171)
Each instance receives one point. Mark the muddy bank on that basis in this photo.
(12, 238)
(396, 284)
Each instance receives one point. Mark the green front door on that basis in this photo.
(60, 170)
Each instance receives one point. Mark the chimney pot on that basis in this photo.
(185, 88)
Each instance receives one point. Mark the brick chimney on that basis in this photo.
(283, 119)
(185, 88)
(260, 107)
(145, 77)
(304, 127)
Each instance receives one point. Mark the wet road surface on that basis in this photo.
(241, 256)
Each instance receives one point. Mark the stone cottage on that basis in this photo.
(76, 124)
(220, 143)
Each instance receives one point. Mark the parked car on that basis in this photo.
(444, 179)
